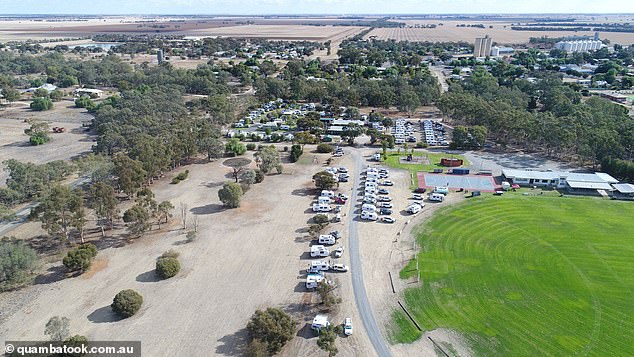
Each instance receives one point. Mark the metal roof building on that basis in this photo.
(561, 179)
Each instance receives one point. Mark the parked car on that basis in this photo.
(343, 179)
(335, 234)
(369, 216)
(420, 190)
(339, 252)
(385, 205)
(387, 183)
(339, 267)
(417, 196)
(385, 211)
(343, 170)
(369, 200)
(343, 196)
(384, 199)
(383, 191)
(347, 326)
(388, 219)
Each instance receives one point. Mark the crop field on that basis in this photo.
(500, 32)
(527, 276)
(282, 32)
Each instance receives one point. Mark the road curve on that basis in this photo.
(360, 294)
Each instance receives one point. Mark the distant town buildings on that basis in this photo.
(579, 46)
(500, 51)
(482, 46)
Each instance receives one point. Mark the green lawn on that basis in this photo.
(434, 162)
(527, 276)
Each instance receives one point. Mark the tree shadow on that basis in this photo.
(148, 277)
(306, 332)
(303, 192)
(212, 184)
(234, 344)
(207, 209)
(104, 315)
(53, 275)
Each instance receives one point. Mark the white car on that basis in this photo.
(385, 199)
(385, 205)
(388, 220)
(339, 252)
(418, 197)
(339, 267)
(347, 326)
(387, 183)
(369, 200)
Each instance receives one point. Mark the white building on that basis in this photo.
(501, 51)
(560, 179)
(579, 46)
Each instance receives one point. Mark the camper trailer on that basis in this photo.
(317, 266)
(368, 207)
(436, 197)
(319, 251)
(327, 193)
(326, 239)
(319, 322)
(414, 208)
(324, 200)
(321, 207)
(312, 280)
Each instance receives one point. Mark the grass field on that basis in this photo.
(434, 162)
(527, 276)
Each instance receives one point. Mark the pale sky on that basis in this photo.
(335, 7)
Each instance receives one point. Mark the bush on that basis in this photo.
(17, 262)
(41, 104)
(320, 219)
(257, 348)
(285, 148)
(420, 145)
(251, 146)
(259, 176)
(296, 152)
(85, 102)
(126, 303)
(180, 177)
(38, 139)
(325, 148)
(80, 258)
(190, 236)
(167, 267)
(230, 194)
(273, 327)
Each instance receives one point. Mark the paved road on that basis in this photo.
(437, 71)
(360, 294)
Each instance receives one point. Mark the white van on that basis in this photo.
(323, 200)
(368, 207)
(370, 191)
(436, 197)
(312, 280)
(326, 239)
(318, 265)
(370, 216)
(327, 193)
(319, 251)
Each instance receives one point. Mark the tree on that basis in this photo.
(58, 328)
(38, 132)
(40, 93)
(257, 348)
(351, 131)
(320, 219)
(247, 178)
(273, 327)
(56, 95)
(80, 258)
(167, 265)
(130, 174)
(11, 94)
(230, 195)
(78, 218)
(267, 159)
(17, 262)
(6, 214)
(239, 165)
(102, 199)
(138, 219)
(326, 340)
(324, 180)
(126, 303)
(164, 211)
(296, 152)
(235, 147)
(212, 145)
(41, 104)
(327, 295)
(85, 102)
(57, 210)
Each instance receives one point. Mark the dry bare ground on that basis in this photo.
(280, 32)
(501, 33)
(244, 259)
(14, 144)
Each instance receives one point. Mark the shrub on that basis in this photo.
(180, 177)
(190, 236)
(17, 262)
(126, 303)
(167, 267)
(296, 152)
(285, 148)
(251, 146)
(80, 258)
(230, 194)
(320, 219)
(257, 348)
(273, 327)
(259, 176)
(325, 148)
(38, 139)
(41, 104)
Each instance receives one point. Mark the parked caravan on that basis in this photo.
(327, 193)
(319, 251)
(324, 200)
(317, 266)
(368, 207)
(436, 197)
(370, 216)
(414, 208)
(326, 239)
(319, 322)
(441, 189)
(312, 280)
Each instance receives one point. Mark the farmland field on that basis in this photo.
(501, 33)
(527, 276)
